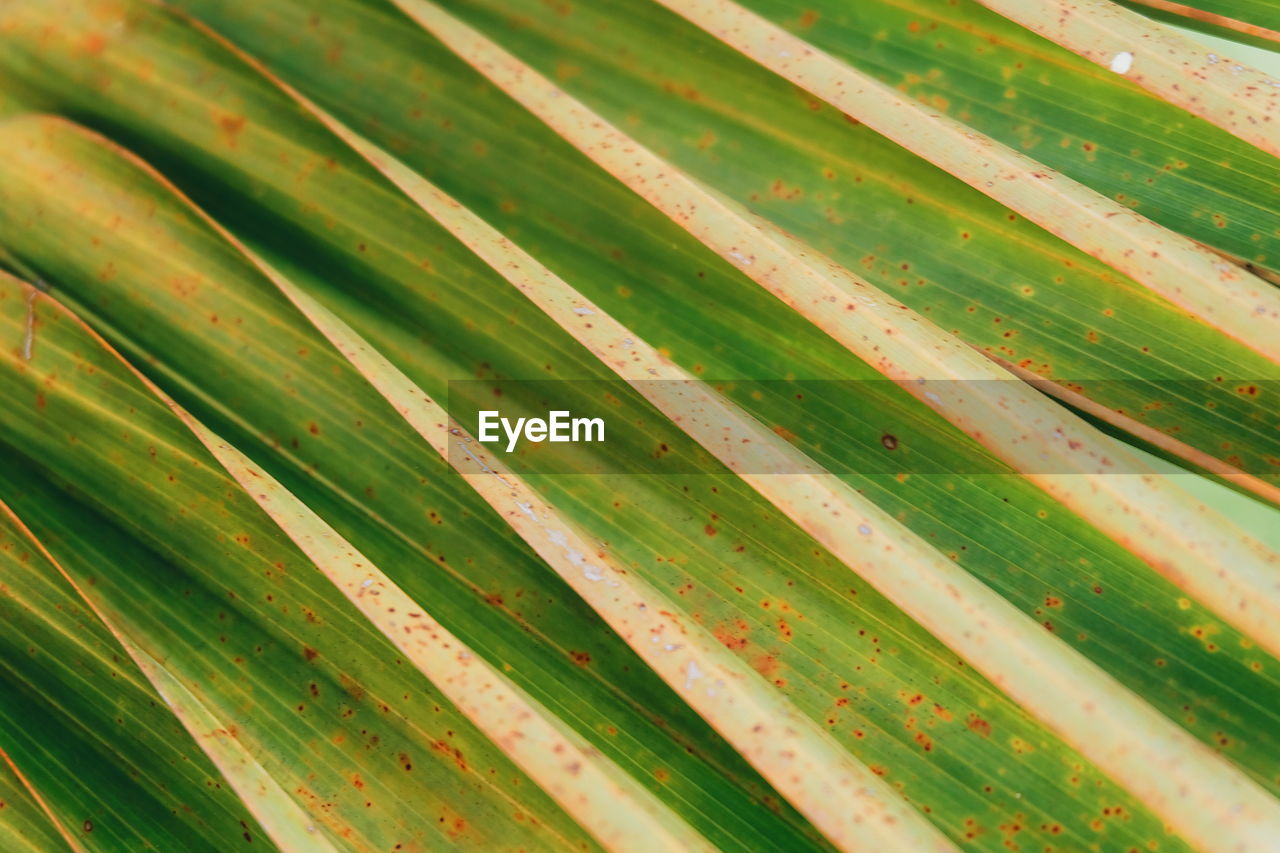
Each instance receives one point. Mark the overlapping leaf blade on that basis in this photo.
(1258, 12)
(90, 736)
(1230, 93)
(1007, 82)
(89, 733)
(942, 248)
(967, 543)
(1247, 22)
(1233, 300)
(132, 508)
(1151, 757)
(444, 547)
(26, 827)
(437, 330)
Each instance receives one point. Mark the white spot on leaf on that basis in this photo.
(691, 674)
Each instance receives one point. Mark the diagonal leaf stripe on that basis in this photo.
(1139, 430)
(54, 821)
(1235, 97)
(1219, 293)
(1190, 544)
(1041, 673)
(786, 746)
(1250, 17)
(552, 685)
(1056, 312)
(83, 732)
(597, 794)
(349, 741)
(282, 819)
(143, 273)
(26, 827)
(512, 510)
(980, 304)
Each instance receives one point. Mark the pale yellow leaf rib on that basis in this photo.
(1204, 16)
(1239, 99)
(1197, 548)
(279, 815)
(1216, 291)
(1180, 779)
(1149, 434)
(796, 756)
(613, 807)
(281, 818)
(843, 798)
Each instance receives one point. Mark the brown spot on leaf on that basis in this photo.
(93, 44)
(733, 636)
(443, 747)
(978, 725)
(229, 128)
(765, 664)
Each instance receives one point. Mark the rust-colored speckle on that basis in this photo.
(93, 44)
(444, 748)
(229, 128)
(978, 725)
(765, 664)
(733, 636)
